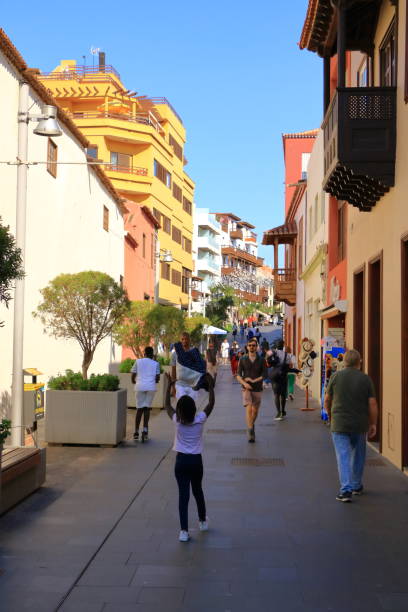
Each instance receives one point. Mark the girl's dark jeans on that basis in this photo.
(189, 471)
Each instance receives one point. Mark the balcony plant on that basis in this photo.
(10, 264)
(85, 410)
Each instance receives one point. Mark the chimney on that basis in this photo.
(101, 61)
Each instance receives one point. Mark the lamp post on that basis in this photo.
(47, 126)
(167, 257)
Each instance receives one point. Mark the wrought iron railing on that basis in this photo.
(81, 71)
(126, 169)
(145, 118)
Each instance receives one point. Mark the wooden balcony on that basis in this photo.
(285, 285)
(237, 234)
(359, 144)
(242, 255)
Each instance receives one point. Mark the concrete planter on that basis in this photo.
(158, 400)
(126, 383)
(159, 397)
(85, 417)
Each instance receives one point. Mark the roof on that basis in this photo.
(229, 215)
(151, 216)
(307, 134)
(15, 58)
(246, 224)
(282, 232)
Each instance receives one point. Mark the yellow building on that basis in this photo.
(142, 139)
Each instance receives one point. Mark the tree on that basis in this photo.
(222, 299)
(134, 330)
(165, 324)
(10, 265)
(194, 326)
(84, 306)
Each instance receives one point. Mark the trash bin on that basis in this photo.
(33, 399)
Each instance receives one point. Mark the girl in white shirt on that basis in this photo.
(188, 443)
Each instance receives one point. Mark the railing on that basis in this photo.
(237, 234)
(139, 171)
(205, 262)
(240, 253)
(81, 71)
(284, 274)
(204, 241)
(162, 100)
(144, 118)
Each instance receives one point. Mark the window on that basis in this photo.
(177, 192)
(300, 246)
(323, 206)
(187, 244)
(165, 270)
(305, 161)
(362, 73)
(176, 235)
(52, 153)
(185, 281)
(178, 149)
(341, 232)
(176, 277)
(388, 58)
(187, 205)
(157, 214)
(106, 219)
(166, 224)
(121, 162)
(92, 151)
(144, 246)
(162, 174)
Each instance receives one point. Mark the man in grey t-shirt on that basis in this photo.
(352, 408)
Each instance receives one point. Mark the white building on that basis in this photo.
(207, 248)
(73, 223)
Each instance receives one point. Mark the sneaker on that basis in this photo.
(203, 525)
(358, 491)
(291, 396)
(145, 435)
(344, 497)
(251, 435)
(184, 536)
(279, 417)
(136, 435)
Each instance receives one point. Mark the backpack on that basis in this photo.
(277, 369)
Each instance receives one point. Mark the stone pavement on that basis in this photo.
(278, 539)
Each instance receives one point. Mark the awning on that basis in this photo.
(211, 330)
(283, 233)
(338, 308)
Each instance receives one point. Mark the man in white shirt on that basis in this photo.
(145, 376)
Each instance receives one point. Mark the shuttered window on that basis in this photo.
(176, 235)
(187, 244)
(176, 277)
(106, 219)
(162, 174)
(178, 149)
(52, 154)
(165, 270)
(185, 281)
(177, 192)
(166, 224)
(121, 162)
(187, 205)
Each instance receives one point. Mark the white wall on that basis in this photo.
(64, 234)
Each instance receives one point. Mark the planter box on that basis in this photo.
(159, 397)
(158, 400)
(85, 417)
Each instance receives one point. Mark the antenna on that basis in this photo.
(94, 51)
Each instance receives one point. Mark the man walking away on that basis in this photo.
(352, 408)
(145, 376)
(251, 373)
(278, 366)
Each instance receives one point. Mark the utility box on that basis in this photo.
(33, 399)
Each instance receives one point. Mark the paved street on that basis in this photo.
(278, 539)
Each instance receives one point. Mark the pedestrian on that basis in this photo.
(291, 374)
(188, 443)
(352, 408)
(242, 331)
(265, 345)
(234, 331)
(225, 351)
(211, 359)
(251, 373)
(188, 368)
(258, 335)
(278, 366)
(233, 356)
(145, 376)
(250, 334)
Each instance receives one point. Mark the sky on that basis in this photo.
(233, 72)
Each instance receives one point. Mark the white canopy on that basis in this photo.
(210, 330)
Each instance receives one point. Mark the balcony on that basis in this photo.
(208, 243)
(137, 170)
(285, 285)
(235, 253)
(359, 145)
(206, 264)
(236, 234)
(142, 118)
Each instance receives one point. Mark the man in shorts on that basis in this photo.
(251, 373)
(145, 376)
(188, 368)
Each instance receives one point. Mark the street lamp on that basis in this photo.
(166, 257)
(47, 126)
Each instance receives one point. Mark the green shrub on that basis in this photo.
(74, 381)
(5, 429)
(126, 365)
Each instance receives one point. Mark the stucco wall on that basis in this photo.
(64, 234)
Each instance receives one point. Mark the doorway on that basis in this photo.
(374, 362)
(358, 313)
(404, 348)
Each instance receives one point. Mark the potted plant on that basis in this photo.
(85, 411)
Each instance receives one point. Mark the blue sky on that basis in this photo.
(233, 72)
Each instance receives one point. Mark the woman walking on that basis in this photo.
(225, 351)
(188, 443)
